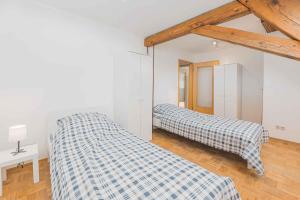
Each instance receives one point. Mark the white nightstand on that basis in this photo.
(7, 159)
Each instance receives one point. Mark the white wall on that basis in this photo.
(252, 61)
(282, 97)
(51, 60)
(166, 74)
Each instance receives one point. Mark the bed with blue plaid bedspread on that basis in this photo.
(236, 136)
(91, 157)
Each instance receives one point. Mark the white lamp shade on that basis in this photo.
(17, 133)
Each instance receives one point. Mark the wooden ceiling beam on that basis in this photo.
(284, 47)
(216, 16)
(284, 15)
(268, 27)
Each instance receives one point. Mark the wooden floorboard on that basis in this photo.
(281, 160)
(280, 182)
(19, 184)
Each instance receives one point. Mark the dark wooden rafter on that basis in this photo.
(284, 15)
(216, 16)
(280, 46)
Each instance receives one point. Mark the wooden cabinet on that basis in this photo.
(228, 91)
(133, 93)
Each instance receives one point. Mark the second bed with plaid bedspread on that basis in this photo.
(235, 136)
(93, 158)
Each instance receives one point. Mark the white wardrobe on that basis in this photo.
(228, 91)
(133, 93)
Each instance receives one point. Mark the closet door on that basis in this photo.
(133, 93)
(134, 96)
(231, 91)
(146, 80)
(219, 90)
(121, 88)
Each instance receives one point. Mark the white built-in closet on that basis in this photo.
(228, 90)
(133, 93)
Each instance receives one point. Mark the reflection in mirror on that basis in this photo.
(184, 86)
(205, 86)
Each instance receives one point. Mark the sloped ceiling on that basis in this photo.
(145, 17)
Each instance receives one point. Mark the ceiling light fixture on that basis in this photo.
(215, 43)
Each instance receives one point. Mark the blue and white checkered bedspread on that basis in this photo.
(93, 158)
(235, 136)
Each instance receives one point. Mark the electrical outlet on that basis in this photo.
(277, 127)
(281, 128)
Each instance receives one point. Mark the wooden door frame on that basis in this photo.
(195, 87)
(190, 98)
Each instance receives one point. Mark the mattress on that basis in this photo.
(94, 158)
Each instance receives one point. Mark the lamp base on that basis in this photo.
(18, 150)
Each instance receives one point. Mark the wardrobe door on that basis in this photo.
(239, 90)
(146, 80)
(121, 89)
(231, 88)
(134, 97)
(219, 91)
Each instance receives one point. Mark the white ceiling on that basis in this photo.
(145, 17)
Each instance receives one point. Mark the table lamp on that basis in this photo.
(16, 135)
